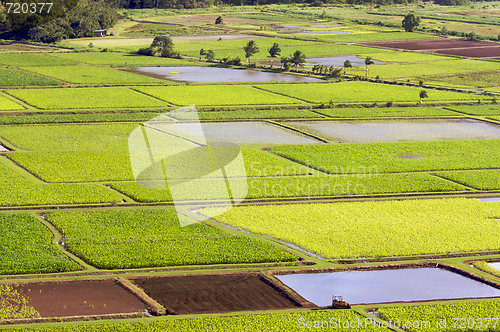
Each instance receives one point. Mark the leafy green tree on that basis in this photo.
(219, 20)
(368, 61)
(274, 52)
(165, 46)
(347, 64)
(410, 22)
(298, 59)
(202, 53)
(250, 49)
(423, 94)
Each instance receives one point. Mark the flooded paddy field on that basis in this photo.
(399, 130)
(383, 286)
(211, 74)
(237, 133)
(216, 293)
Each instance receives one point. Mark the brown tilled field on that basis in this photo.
(215, 293)
(76, 298)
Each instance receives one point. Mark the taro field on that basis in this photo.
(199, 187)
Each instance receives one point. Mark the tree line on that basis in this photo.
(66, 19)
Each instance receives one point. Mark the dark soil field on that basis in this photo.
(473, 52)
(77, 298)
(439, 44)
(215, 293)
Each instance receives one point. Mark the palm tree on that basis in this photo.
(274, 51)
(347, 64)
(298, 59)
(368, 61)
(202, 52)
(250, 49)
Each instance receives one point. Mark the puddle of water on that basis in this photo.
(490, 200)
(237, 133)
(288, 26)
(3, 149)
(338, 61)
(211, 74)
(403, 130)
(330, 32)
(416, 284)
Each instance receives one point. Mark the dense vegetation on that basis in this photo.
(374, 229)
(27, 248)
(148, 238)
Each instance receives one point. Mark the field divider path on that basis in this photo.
(105, 185)
(146, 94)
(21, 171)
(17, 100)
(280, 244)
(290, 128)
(463, 185)
(57, 240)
(155, 307)
(282, 94)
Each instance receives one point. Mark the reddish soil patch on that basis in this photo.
(216, 293)
(78, 298)
(433, 44)
(473, 52)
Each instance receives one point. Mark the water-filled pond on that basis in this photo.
(338, 61)
(399, 130)
(380, 286)
(237, 133)
(3, 149)
(211, 74)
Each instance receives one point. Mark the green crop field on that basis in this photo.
(91, 166)
(476, 79)
(299, 186)
(292, 322)
(27, 247)
(216, 95)
(394, 56)
(69, 137)
(250, 114)
(482, 180)
(355, 92)
(76, 118)
(84, 98)
(11, 77)
(32, 59)
(8, 105)
(374, 229)
(16, 190)
(387, 112)
(477, 110)
(148, 238)
(431, 68)
(396, 157)
(466, 316)
(121, 59)
(87, 74)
